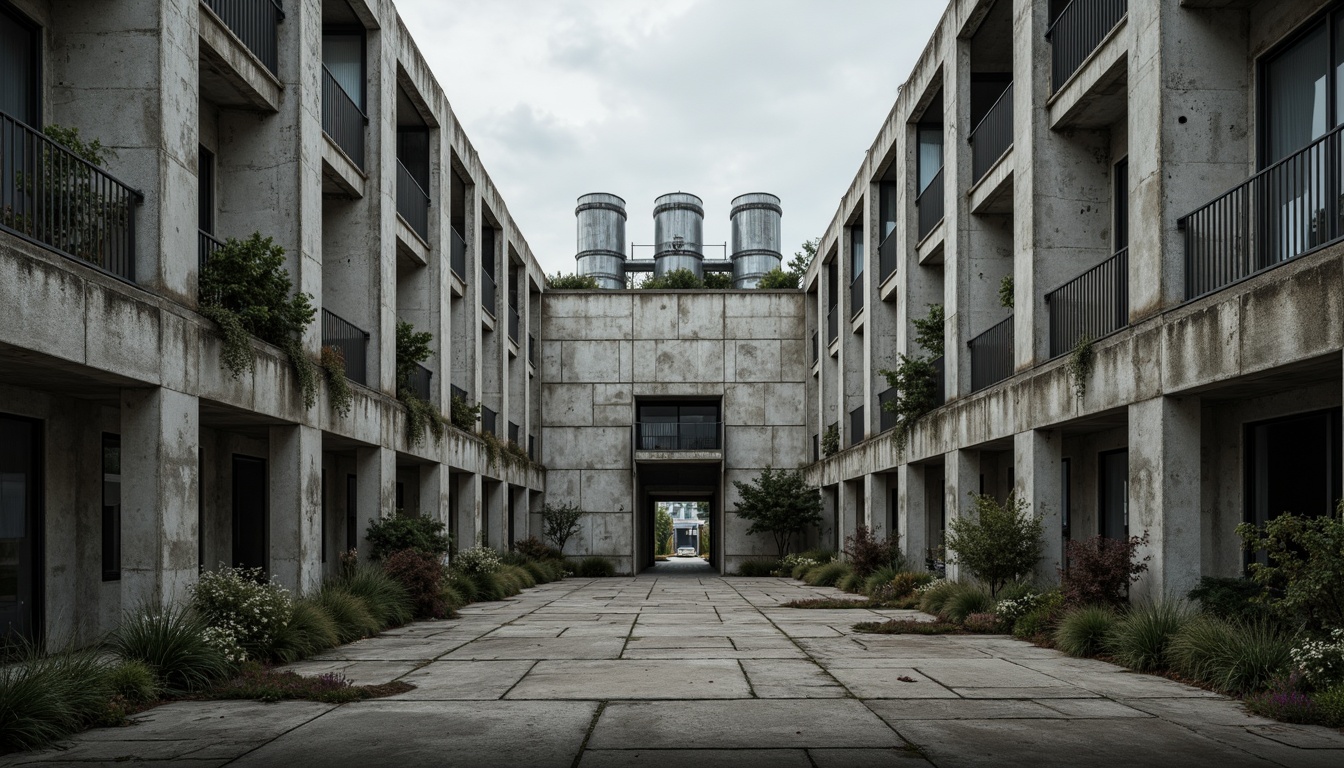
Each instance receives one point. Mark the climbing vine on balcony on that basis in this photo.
(1079, 365)
(339, 395)
(462, 415)
(915, 377)
(245, 289)
(830, 441)
(421, 415)
(1006, 291)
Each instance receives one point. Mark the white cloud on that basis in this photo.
(714, 97)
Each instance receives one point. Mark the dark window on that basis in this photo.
(1293, 465)
(1297, 93)
(351, 517)
(250, 539)
(111, 507)
(21, 523)
(1066, 496)
(1113, 494)
(343, 56)
(322, 525)
(488, 250)
(832, 284)
(687, 426)
(887, 212)
(1120, 204)
(401, 496)
(855, 252)
(929, 144)
(205, 179)
(20, 67)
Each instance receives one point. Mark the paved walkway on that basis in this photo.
(703, 671)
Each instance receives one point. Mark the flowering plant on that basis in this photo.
(244, 607)
(932, 585)
(1321, 662)
(793, 560)
(1009, 611)
(478, 560)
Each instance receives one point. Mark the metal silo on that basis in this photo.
(602, 238)
(755, 218)
(678, 233)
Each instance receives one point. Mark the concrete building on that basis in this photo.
(1152, 177)
(129, 458)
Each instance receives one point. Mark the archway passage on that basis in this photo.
(681, 536)
(688, 494)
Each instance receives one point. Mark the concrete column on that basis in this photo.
(296, 506)
(960, 481)
(434, 485)
(494, 509)
(521, 513)
(830, 512)
(160, 436)
(1164, 498)
(876, 498)
(912, 514)
(468, 510)
(375, 489)
(1038, 480)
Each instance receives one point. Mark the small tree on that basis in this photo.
(780, 503)
(559, 522)
(662, 531)
(803, 259)
(1101, 570)
(777, 279)
(998, 543)
(1303, 572)
(867, 553)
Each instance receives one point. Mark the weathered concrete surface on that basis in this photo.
(558, 676)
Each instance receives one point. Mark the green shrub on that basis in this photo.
(1233, 599)
(827, 575)
(133, 680)
(878, 579)
(1232, 657)
(867, 553)
(1040, 620)
(965, 600)
(801, 569)
(411, 582)
(535, 549)
(819, 556)
(1140, 638)
(243, 605)
(352, 616)
(393, 534)
(594, 566)
(903, 584)
(465, 586)
(521, 576)
(174, 643)
(571, 282)
(1085, 630)
(45, 697)
(478, 560)
(452, 595)
(997, 543)
(935, 594)
(851, 582)
(1304, 574)
(1330, 707)
(757, 568)
(538, 571)
(982, 623)
(1016, 590)
(310, 631)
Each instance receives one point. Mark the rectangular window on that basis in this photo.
(111, 507)
(351, 518)
(886, 194)
(1292, 465)
(1113, 494)
(832, 284)
(1295, 94)
(488, 250)
(205, 180)
(322, 526)
(1120, 203)
(19, 67)
(855, 252)
(343, 56)
(687, 426)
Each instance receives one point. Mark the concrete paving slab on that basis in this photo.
(959, 709)
(867, 758)
(791, 679)
(745, 724)
(985, 673)
(608, 680)
(358, 672)
(540, 648)
(887, 683)
(464, 680)
(700, 758)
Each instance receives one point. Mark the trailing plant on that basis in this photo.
(507, 452)
(1101, 570)
(339, 395)
(1006, 292)
(559, 523)
(915, 377)
(571, 282)
(412, 349)
(245, 289)
(1303, 575)
(830, 440)
(1079, 365)
(929, 331)
(998, 543)
(462, 415)
(779, 502)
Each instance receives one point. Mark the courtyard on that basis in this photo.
(682, 667)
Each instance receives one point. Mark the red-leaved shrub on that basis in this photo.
(422, 575)
(867, 553)
(1101, 570)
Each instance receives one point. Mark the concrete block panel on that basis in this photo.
(786, 403)
(611, 533)
(764, 316)
(563, 486)
(678, 389)
(746, 404)
(1201, 347)
(594, 361)
(598, 327)
(756, 360)
(42, 307)
(700, 316)
(613, 394)
(655, 316)
(1296, 316)
(795, 359)
(588, 304)
(587, 447)
(123, 336)
(607, 490)
(674, 360)
(749, 447)
(613, 415)
(551, 352)
(792, 446)
(567, 405)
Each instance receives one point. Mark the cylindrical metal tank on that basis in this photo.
(756, 237)
(678, 233)
(601, 226)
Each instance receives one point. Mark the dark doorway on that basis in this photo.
(20, 526)
(1113, 494)
(249, 512)
(1292, 465)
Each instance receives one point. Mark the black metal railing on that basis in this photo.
(939, 380)
(487, 292)
(458, 258)
(887, 419)
(412, 202)
(55, 198)
(993, 136)
(887, 256)
(206, 245)
(342, 119)
(856, 426)
(1092, 305)
(514, 321)
(816, 347)
(677, 436)
(832, 325)
(419, 382)
(1280, 213)
(929, 205)
(255, 23)
(992, 355)
(1077, 31)
(531, 447)
(856, 295)
(488, 419)
(351, 343)
(532, 348)
(456, 391)
(514, 432)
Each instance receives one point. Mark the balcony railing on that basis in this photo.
(1280, 213)
(993, 136)
(856, 426)
(887, 418)
(419, 382)
(887, 255)
(206, 245)
(832, 325)
(458, 260)
(456, 391)
(1077, 31)
(1092, 305)
(532, 348)
(816, 347)
(488, 419)
(677, 436)
(487, 292)
(352, 345)
(929, 205)
(62, 202)
(514, 432)
(856, 295)
(513, 323)
(342, 119)
(254, 22)
(412, 202)
(992, 355)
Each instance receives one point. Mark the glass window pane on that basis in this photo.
(1295, 95)
(18, 69)
(930, 154)
(887, 204)
(855, 251)
(343, 56)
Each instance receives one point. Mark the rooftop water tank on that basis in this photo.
(755, 217)
(678, 234)
(601, 251)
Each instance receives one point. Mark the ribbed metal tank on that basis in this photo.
(601, 226)
(756, 237)
(678, 233)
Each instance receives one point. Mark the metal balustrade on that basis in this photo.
(816, 347)
(487, 292)
(992, 355)
(350, 342)
(514, 320)
(1288, 209)
(678, 435)
(55, 198)
(993, 136)
(412, 202)
(856, 426)
(458, 392)
(206, 245)
(532, 348)
(488, 419)
(419, 383)
(255, 23)
(458, 258)
(832, 325)
(929, 205)
(1092, 305)
(1077, 31)
(342, 119)
(514, 432)
(888, 255)
(856, 294)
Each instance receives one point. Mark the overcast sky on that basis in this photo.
(636, 98)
